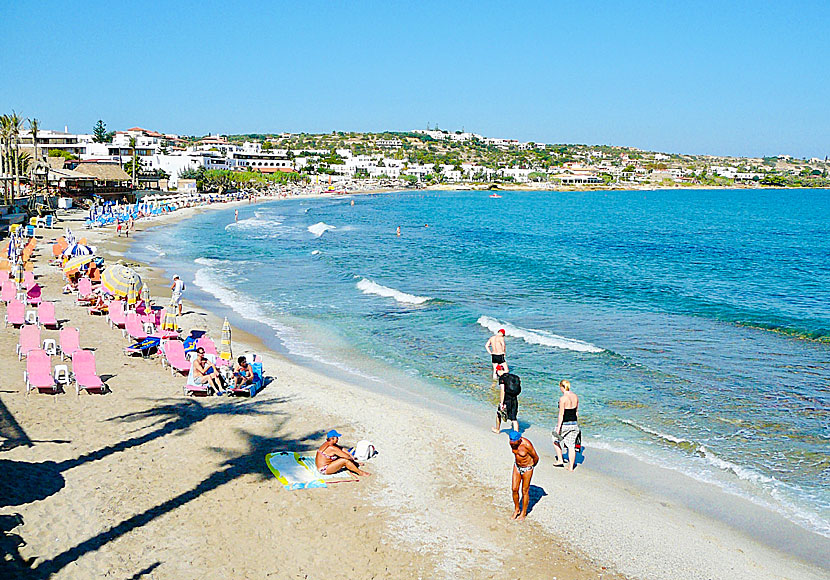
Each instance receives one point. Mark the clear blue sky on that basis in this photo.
(732, 78)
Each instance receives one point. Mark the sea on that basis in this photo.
(693, 324)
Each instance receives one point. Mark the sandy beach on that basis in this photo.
(144, 482)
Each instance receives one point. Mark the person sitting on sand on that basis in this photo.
(332, 458)
(99, 306)
(497, 350)
(525, 460)
(567, 428)
(243, 375)
(509, 388)
(204, 373)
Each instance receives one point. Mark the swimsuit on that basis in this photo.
(523, 470)
(497, 358)
(331, 458)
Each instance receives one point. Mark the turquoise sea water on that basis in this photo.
(695, 325)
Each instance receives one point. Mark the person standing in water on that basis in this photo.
(236, 215)
(497, 349)
(398, 231)
(567, 430)
(525, 459)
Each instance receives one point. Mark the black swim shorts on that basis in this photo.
(498, 359)
(511, 407)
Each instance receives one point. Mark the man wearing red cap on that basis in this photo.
(497, 349)
(509, 388)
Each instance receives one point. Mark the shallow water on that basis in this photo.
(695, 325)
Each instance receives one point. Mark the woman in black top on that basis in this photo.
(567, 428)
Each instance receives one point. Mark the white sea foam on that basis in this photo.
(315, 252)
(261, 225)
(368, 287)
(211, 261)
(658, 434)
(320, 228)
(207, 280)
(542, 337)
(156, 250)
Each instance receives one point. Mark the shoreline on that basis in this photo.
(662, 482)
(420, 515)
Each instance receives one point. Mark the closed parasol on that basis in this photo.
(225, 352)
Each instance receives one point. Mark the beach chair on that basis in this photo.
(30, 231)
(50, 221)
(69, 342)
(133, 327)
(207, 343)
(174, 357)
(29, 340)
(34, 295)
(250, 390)
(15, 313)
(38, 373)
(115, 314)
(84, 290)
(8, 292)
(46, 314)
(84, 373)
(28, 279)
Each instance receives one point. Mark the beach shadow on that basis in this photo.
(10, 430)
(105, 378)
(145, 571)
(13, 565)
(25, 482)
(534, 494)
(236, 465)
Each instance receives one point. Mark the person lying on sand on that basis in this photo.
(332, 458)
(243, 375)
(525, 460)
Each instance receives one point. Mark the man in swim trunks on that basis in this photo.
(331, 458)
(509, 389)
(525, 460)
(497, 349)
(205, 373)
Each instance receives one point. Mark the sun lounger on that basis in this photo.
(8, 292)
(69, 342)
(46, 314)
(133, 327)
(83, 370)
(28, 279)
(34, 295)
(15, 313)
(85, 290)
(250, 390)
(144, 347)
(29, 340)
(174, 357)
(38, 373)
(116, 315)
(210, 348)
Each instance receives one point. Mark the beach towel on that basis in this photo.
(295, 471)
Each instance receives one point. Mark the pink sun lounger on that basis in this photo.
(34, 295)
(133, 327)
(28, 279)
(8, 291)
(115, 314)
(174, 357)
(29, 340)
(69, 342)
(15, 313)
(38, 373)
(84, 290)
(86, 377)
(46, 314)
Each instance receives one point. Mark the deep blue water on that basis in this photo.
(695, 325)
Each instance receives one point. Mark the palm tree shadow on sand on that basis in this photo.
(175, 417)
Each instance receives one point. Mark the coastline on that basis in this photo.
(440, 498)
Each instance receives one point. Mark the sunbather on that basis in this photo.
(332, 458)
(204, 373)
(243, 375)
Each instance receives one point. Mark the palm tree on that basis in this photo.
(15, 125)
(34, 124)
(5, 131)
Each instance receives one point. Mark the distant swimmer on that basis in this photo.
(398, 231)
(526, 459)
(236, 215)
(497, 349)
(352, 202)
(426, 225)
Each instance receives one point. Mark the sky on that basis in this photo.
(720, 78)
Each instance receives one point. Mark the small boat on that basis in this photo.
(495, 195)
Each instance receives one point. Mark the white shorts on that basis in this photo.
(175, 300)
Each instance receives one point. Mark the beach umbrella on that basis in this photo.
(225, 347)
(169, 322)
(145, 294)
(132, 294)
(19, 275)
(117, 280)
(75, 263)
(78, 250)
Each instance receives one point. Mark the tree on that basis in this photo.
(5, 132)
(267, 146)
(34, 124)
(135, 158)
(100, 133)
(15, 126)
